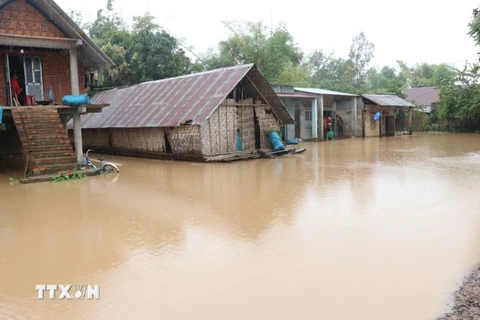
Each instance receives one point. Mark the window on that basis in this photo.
(308, 115)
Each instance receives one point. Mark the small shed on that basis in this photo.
(386, 106)
(191, 117)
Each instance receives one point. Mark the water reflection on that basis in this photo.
(385, 226)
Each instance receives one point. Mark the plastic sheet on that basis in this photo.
(276, 141)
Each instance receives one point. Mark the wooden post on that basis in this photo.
(410, 120)
(321, 119)
(354, 117)
(77, 123)
(363, 122)
(314, 119)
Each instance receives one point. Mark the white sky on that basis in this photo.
(411, 30)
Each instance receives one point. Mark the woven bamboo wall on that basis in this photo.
(93, 137)
(219, 131)
(266, 122)
(138, 139)
(186, 139)
(245, 122)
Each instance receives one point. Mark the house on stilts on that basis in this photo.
(193, 117)
(51, 57)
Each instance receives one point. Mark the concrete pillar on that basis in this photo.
(354, 117)
(321, 118)
(410, 120)
(314, 119)
(77, 123)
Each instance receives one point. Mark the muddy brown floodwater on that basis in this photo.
(354, 229)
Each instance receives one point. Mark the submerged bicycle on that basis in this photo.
(106, 167)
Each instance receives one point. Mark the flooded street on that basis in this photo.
(355, 229)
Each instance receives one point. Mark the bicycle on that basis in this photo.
(107, 167)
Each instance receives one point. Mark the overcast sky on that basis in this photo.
(411, 30)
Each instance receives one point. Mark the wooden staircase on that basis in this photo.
(45, 141)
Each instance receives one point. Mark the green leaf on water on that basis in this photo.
(13, 180)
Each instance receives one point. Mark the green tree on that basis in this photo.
(462, 102)
(330, 72)
(386, 81)
(273, 51)
(297, 76)
(361, 53)
(143, 53)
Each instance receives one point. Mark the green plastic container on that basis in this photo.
(330, 134)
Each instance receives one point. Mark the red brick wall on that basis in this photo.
(20, 18)
(56, 72)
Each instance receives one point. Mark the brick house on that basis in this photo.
(47, 51)
(194, 117)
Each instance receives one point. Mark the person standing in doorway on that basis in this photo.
(330, 134)
(340, 127)
(16, 89)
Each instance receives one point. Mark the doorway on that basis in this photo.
(256, 126)
(30, 77)
(390, 125)
(168, 146)
(14, 66)
(327, 114)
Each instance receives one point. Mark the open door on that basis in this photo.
(34, 77)
(7, 80)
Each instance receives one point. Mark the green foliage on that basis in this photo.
(361, 53)
(386, 81)
(474, 26)
(348, 75)
(68, 175)
(13, 180)
(143, 53)
(251, 42)
(462, 103)
(297, 76)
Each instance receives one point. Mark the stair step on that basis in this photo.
(53, 147)
(43, 136)
(55, 119)
(35, 114)
(46, 142)
(52, 154)
(42, 131)
(39, 125)
(53, 161)
(54, 168)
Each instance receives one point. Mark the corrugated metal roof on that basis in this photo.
(387, 100)
(325, 92)
(424, 96)
(175, 101)
(290, 95)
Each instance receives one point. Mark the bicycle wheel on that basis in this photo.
(109, 168)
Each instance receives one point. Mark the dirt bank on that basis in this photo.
(467, 299)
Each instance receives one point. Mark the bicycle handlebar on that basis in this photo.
(86, 154)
